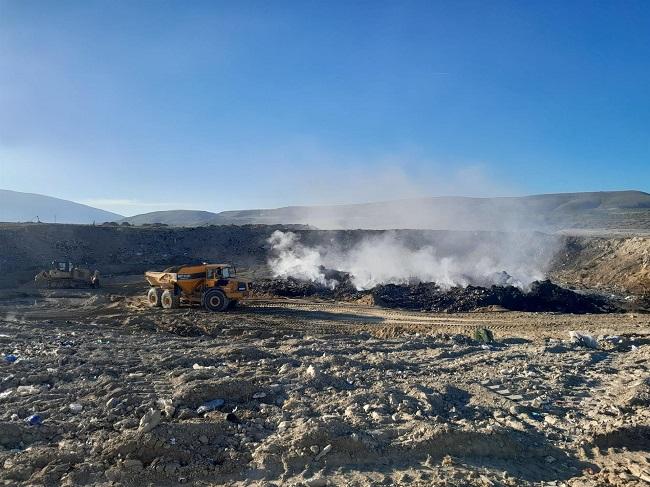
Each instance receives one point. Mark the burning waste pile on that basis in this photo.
(395, 275)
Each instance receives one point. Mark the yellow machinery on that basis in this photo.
(67, 275)
(213, 286)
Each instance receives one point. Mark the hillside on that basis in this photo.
(26, 207)
(622, 210)
(186, 218)
(617, 263)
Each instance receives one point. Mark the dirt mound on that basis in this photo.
(297, 288)
(543, 296)
(428, 296)
(615, 264)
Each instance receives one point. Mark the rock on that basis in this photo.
(312, 372)
(112, 402)
(203, 439)
(27, 390)
(515, 410)
(583, 339)
(378, 417)
(167, 407)
(210, 406)
(149, 421)
(314, 449)
(316, 482)
(202, 367)
(7, 393)
(75, 407)
(447, 461)
(349, 412)
(550, 419)
(132, 464)
(324, 452)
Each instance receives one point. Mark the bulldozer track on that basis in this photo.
(345, 312)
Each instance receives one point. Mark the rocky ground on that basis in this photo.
(97, 389)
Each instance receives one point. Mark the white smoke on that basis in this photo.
(292, 259)
(514, 259)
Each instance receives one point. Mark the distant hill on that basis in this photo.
(595, 210)
(25, 207)
(186, 218)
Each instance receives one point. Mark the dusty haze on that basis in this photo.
(459, 259)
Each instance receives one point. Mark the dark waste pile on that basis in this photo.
(542, 296)
(428, 296)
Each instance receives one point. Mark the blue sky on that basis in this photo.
(142, 106)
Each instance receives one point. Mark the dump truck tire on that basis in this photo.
(215, 300)
(153, 297)
(168, 300)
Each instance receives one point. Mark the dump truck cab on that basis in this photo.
(214, 286)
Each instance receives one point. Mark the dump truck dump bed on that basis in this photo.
(161, 279)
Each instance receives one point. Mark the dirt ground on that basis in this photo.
(315, 393)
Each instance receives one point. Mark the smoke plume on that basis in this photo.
(399, 257)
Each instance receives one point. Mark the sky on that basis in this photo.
(152, 105)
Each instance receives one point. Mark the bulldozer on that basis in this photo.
(213, 286)
(66, 275)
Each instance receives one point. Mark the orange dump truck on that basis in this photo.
(213, 286)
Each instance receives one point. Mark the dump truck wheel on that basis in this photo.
(233, 304)
(215, 300)
(168, 300)
(153, 297)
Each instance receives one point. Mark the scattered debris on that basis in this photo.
(323, 452)
(75, 407)
(484, 335)
(210, 406)
(34, 420)
(149, 421)
(583, 339)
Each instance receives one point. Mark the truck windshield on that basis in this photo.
(226, 272)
